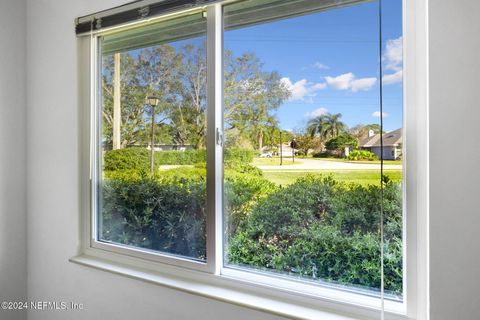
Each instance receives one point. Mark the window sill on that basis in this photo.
(229, 290)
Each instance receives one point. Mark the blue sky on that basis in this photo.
(330, 62)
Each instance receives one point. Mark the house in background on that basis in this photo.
(392, 144)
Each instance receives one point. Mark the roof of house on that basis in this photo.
(390, 139)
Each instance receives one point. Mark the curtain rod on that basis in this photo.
(144, 9)
(132, 11)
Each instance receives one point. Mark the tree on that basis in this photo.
(152, 72)
(326, 126)
(333, 126)
(190, 115)
(159, 73)
(132, 100)
(361, 131)
(317, 126)
(251, 95)
(177, 75)
(306, 142)
(338, 143)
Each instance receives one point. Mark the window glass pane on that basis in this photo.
(152, 189)
(393, 146)
(303, 193)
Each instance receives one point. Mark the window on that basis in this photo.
(153, 129)
(302, 94)
(256, 141)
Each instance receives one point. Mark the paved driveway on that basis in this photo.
(310, 164)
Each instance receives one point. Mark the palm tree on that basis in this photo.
(333, 125)
(326, 126)
(316, 126)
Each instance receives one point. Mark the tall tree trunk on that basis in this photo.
(117, 98)
(260, 141)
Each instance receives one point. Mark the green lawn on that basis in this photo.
(274, 161)
(361, 161)
(363, 177)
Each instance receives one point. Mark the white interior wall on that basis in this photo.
(13, 243)
(454, 159)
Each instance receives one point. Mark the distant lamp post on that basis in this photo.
(281, 149)
(152, 101)
(293, 145)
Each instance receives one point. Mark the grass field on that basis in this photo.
(362, 161)
(274, 161)
(363, 177)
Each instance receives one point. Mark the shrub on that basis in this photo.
(315, 227)
(125, 175)
(243, 168)
(166, 212)
(356, 208)
(187, 157)
(127, 159)
(286, 212)
(160, 214)
(340, 142)
(321, 154)
(242, 192)
(239, 155)
(323, 229)
(365, 155)
(139, 158)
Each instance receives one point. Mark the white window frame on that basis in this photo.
(262, 291)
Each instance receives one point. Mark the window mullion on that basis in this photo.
(214, 138)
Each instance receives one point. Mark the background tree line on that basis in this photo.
(177, 75)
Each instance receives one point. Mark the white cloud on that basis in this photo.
(363, 84)
(347, 81)
(318, 86)
(393, 78)
(341, 82)
(393, 56)
(393, 61)
(377, 114)
(320, 66)
(302, 88)
(316, 113)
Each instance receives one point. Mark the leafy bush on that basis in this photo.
(319, 228)
(139, 158)
(365, 155)
(315, 227)
(243, 168)
(166, 212)
(289, 210)
(321, 154)
(166, 215)
(127, 159)
(187, 157)
(341, 141)
(242, 192)
(239, 155)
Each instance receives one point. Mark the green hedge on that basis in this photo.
(322, 229)
(315, 227)
(366, 155)
(127, 159)
(239, 155)
(166, 215)
(187, 157)
(321, 154)
(139, 158)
